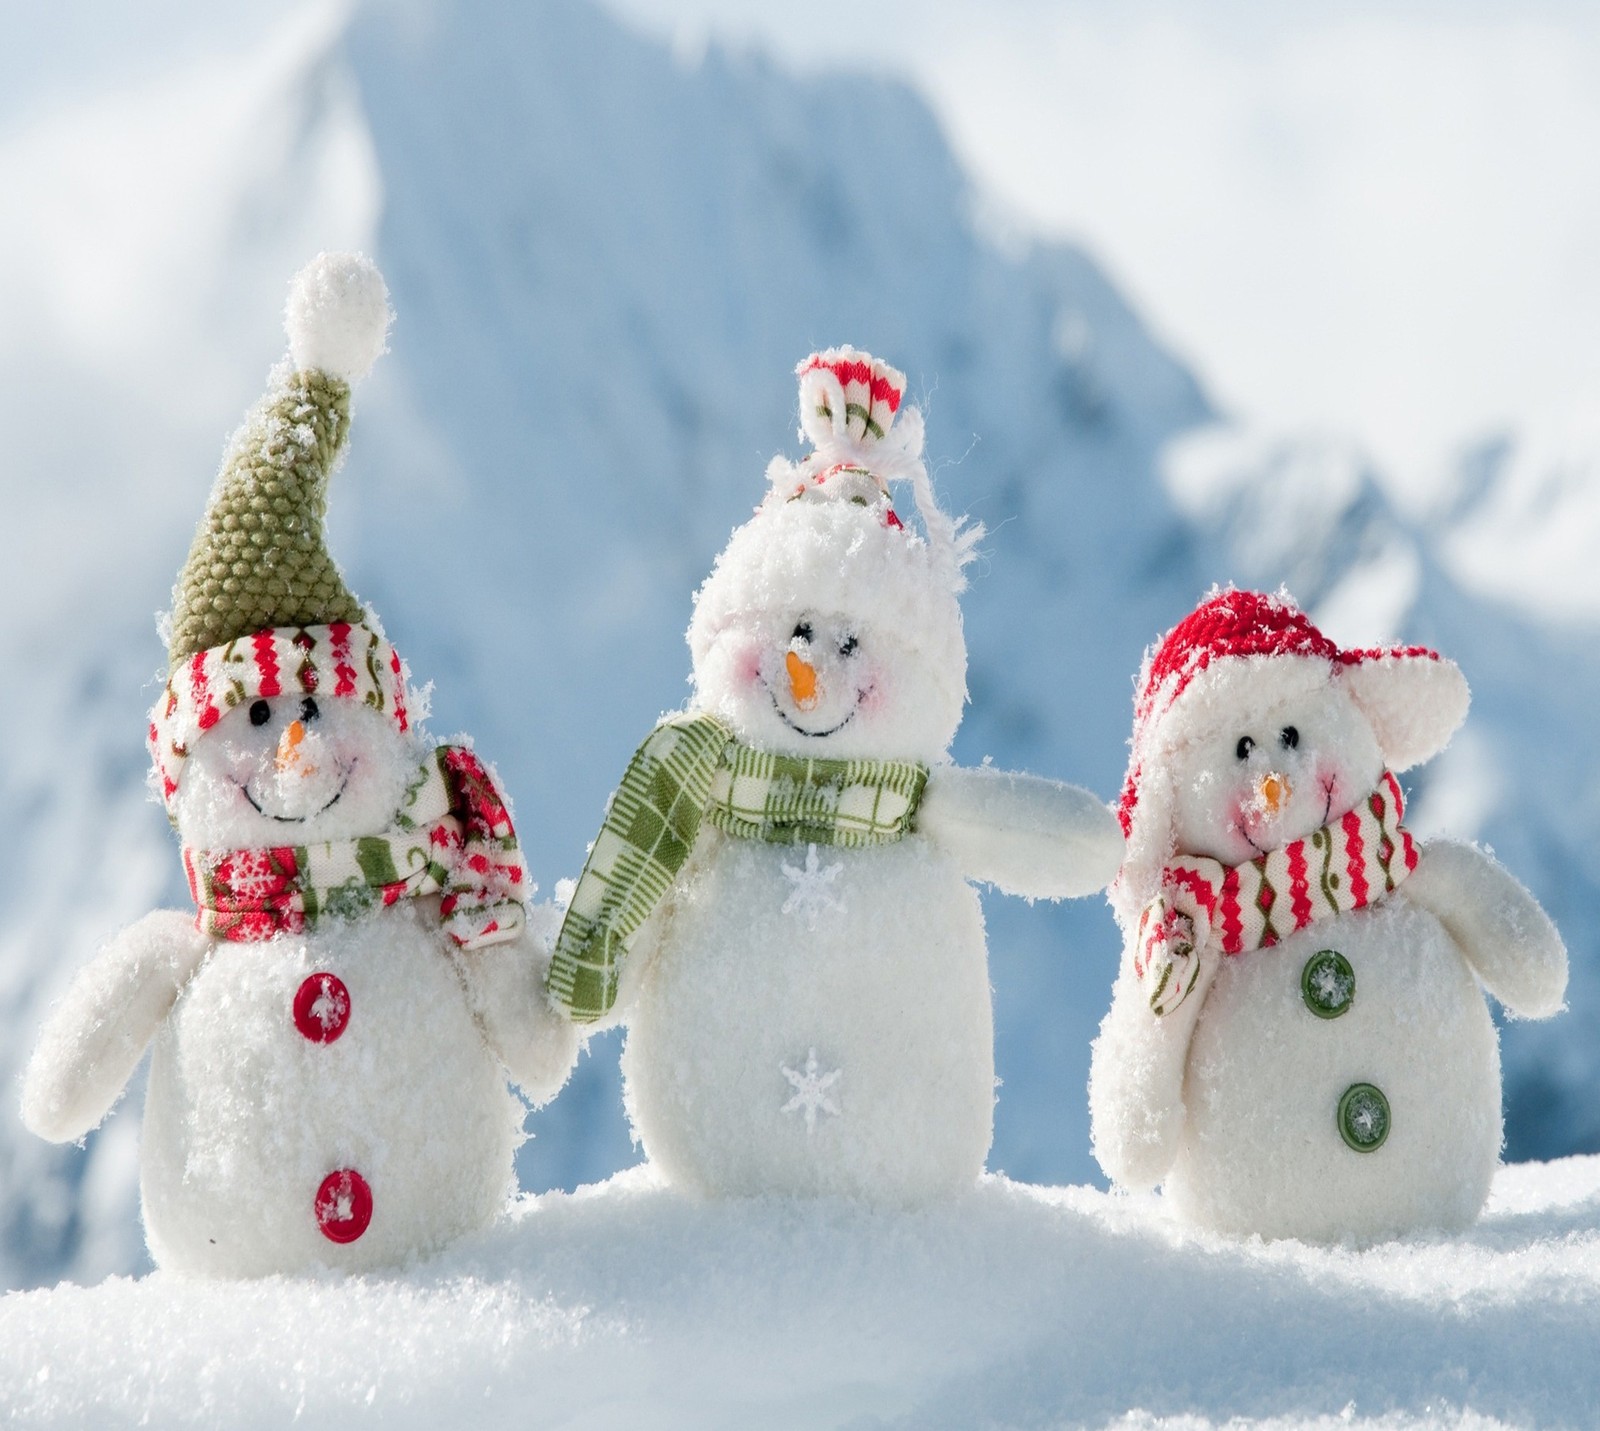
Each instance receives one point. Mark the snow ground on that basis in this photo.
(623, 1305)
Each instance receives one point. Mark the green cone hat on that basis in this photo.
(259, 557)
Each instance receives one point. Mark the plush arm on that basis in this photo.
(1507, 938)
(1136, 1071)
(1021, 833)
(95, 1036)
(505, 987)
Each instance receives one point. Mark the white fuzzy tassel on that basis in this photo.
(338, 315)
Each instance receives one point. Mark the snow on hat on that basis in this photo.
(827, 536)
(260, 607)
(1242, 651)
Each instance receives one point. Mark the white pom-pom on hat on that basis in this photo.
(338, 315)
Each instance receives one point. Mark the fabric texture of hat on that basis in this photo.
(259, 559)
(260, 606)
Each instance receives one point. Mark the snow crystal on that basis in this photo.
(811, 1095)
(812, 894)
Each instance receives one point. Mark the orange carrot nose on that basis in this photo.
(802, 681)
(289, 745)
(1274, 791)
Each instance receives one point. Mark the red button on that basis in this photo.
(322, 1008)
(343, 1205)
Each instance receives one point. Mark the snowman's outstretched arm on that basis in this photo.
(505, 988)
(1136, 1070)
(1506, 936)
(95, 1036)
(1021, 833)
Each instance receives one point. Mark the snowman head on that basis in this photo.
(286, 717)
(828, 627)
(286, 765)
(1252, 729)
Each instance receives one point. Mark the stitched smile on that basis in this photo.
(298, 819)
(1327, 814)
(800, 729)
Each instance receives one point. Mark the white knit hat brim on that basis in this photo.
(834, 559)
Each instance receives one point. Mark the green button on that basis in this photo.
(1364, 1117)
(1327, 984)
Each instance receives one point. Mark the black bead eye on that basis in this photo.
(308, 709)
(1244, 747)
(847, 647)
(803, 632)
(260, 712)
(1288, 737)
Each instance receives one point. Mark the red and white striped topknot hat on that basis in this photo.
(863, 437)
(1244, 651)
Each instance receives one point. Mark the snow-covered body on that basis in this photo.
(807, 1015)
(1239, 1097)
(1260, 1063)
(905, 1023)
(410, 1094)
(335, 1027)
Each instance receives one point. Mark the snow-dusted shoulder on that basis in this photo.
(1297, 1043)
(334, 1026)
(779, 902)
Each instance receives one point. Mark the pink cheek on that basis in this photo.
(872, 699)
(244, 767)
(1239, 815)
(747, 665)
(1245, 815)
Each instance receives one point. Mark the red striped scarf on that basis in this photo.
(1348, 864)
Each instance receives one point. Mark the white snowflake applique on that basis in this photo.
(811, 1095)
(1331, 986)
(250, 875)
(330, 1007)
(812, 893)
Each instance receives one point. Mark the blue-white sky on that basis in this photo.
(1377, 219)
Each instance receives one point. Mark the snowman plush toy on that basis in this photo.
(1298, 1045)
(334, 1029)
(778, 903)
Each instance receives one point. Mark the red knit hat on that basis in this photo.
(1253, 648)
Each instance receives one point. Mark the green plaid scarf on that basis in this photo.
(689, 770)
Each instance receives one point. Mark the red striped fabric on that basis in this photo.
(351, 661)
(1329, 873)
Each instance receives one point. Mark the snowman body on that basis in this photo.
(290, 1061)
(841, 1044)
(1277, 1048)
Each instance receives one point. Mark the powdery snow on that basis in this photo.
(625, 1306)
